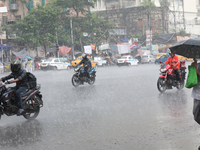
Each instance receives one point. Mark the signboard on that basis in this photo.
(88, 49)
(3, 9)
(123, 48)
(12, 36)
(117, 31)
(181, 38)
(104, 47)
(3, 34)
(149, 37)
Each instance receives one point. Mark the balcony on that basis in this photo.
(13, 7)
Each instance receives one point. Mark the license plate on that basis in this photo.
(44, 65)
(120, 61)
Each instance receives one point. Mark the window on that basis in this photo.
(56, 60)
(140, 24)
(18, 18)
(4, 19)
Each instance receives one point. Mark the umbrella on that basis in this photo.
(189, 48)
(29, 57)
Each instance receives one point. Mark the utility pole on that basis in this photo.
(1, 43)
(183, 14)
(72, 38)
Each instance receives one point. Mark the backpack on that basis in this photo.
(31, 80)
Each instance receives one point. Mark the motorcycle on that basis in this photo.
(167, 80)
(31, 102)
(79, 76)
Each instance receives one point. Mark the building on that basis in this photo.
(182, 14)
(17, 9)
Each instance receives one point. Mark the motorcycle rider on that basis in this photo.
(175, 61)
(86, 64)
(20, 78)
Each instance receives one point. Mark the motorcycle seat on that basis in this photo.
(28, 92)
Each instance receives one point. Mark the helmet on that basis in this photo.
(84, 55)
(15, 66)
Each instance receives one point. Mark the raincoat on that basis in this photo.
(173, 61)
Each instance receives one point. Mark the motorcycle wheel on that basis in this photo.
(32, 111)
(161, 87)
(91, 81)
(75, 81)
(181, 86)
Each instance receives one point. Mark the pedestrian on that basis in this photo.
(29, 66)
(23, 65)
(37, 65)
(196, 94)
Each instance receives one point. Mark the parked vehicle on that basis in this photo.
(79, 76)
(31, 101)
(54, 64)
(167, 80)
(148, 59)
(101, 61)
(127, 61)
(78, 60)
(160, 54)
(163, 59)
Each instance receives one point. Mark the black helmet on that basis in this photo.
(84, 55)
(15, 66)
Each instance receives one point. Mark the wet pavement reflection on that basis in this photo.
(123, 110)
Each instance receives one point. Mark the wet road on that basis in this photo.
(122, 111)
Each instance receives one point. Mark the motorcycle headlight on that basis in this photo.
(163, 70)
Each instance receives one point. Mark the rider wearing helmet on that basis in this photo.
(86, 64)
(175, 62)
(20, 78)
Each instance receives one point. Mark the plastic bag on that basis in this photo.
(192, 77)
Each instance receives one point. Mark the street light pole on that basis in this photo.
(72, 38)
(1, 43)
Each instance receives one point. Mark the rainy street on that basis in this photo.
(123, 110)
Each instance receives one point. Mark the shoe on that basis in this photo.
(20, 112)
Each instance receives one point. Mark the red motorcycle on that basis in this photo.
(167, 80)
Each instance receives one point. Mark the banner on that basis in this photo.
(149, 37)
(123, 48)
(41, 52)
(93, 46)
(88, 49)
(64, 50)
(22, 54)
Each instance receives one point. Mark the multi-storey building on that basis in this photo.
(182, 14)
(17, 9)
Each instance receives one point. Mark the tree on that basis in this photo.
(39, 27)
(83, 22)
(164, 4)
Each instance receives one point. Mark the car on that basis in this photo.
(101, 61)
(54, 64)
(127, 61)
(148, 59)
(78, 60)
(160, 54)
(162, 59)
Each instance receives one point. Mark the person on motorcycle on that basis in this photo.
(86, 64)
(20, 78)
(175, 62)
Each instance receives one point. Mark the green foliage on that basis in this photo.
(164, 4)
(88, 23)
(148, 4)
(140, 37)
(38, 28)
(182, 32)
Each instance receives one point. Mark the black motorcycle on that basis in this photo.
(79, 76)
(31, 102)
